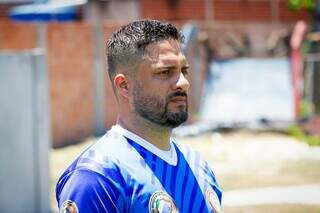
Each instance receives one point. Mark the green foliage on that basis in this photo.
(306, 46)
(296, 131)
(296, 5)
(305, 109)
(309, 4)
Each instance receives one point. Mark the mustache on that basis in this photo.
(178, 93)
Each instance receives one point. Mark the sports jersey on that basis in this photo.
(122, 172)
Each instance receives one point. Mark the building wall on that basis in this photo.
(71, 69)
(173, 10)
(17, 36)
(222, 10)
(217, 10)
(242, 10)
(71, 52)
(110, 101)
(71, 73)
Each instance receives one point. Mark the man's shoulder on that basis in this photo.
(107, 155)
(110, 148)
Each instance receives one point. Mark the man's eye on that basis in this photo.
(185, 71)
(164, 72)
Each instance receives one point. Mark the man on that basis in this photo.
(136, 166)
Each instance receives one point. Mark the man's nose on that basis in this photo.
(182, 83)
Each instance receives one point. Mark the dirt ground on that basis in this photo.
(240, 160)
(245, 159)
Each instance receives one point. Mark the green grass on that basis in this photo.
(296, 131)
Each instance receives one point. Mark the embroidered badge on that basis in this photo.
(68, 206)
(161, 202)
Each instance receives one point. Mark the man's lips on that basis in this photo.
(179, 100)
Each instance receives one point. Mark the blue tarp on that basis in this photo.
(253, 93)
(56, 10)
(247, 90)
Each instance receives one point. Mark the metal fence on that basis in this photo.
(310, 80)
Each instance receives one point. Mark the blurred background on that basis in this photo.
(254, 99)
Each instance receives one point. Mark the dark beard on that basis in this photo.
(156, 111)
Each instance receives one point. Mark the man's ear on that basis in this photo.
(121, 84)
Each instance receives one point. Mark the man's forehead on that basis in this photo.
(164, 49)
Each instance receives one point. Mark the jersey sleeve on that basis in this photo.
(88, 191)
(214, 184)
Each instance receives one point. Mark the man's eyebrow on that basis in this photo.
(169, 66)
(165, 67)
(173, 60)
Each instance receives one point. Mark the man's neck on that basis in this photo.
(155, 134)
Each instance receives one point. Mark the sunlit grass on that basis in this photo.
(297, 132)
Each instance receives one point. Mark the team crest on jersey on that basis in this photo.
(213, 200)
(68, 207)
(161, 202)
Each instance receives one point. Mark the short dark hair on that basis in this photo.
(128, 44)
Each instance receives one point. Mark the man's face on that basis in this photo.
(160, 88)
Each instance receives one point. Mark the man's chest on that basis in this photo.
(171, 189)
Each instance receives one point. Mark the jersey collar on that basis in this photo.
(169, 156)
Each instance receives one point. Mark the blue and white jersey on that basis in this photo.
(124, 173)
